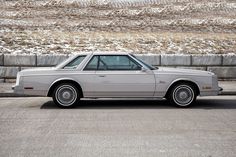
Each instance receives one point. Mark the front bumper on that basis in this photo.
(214, 92)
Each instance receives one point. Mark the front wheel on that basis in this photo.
(66, 95)
(182, 95)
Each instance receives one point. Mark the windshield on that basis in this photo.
(147, 65)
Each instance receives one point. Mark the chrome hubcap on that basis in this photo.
(66, 95)
(183, 95)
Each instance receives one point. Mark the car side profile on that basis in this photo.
(114, 75)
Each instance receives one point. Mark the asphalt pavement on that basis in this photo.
(118, 128)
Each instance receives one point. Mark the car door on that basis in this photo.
(120, 76)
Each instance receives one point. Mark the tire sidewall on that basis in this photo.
(60, 104)
(172, 95)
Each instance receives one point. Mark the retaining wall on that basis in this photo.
(223, 65)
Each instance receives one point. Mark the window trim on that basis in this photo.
(133, 60)
(89, 62)
(63, 68)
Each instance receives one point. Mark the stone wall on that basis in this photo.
(223, 65)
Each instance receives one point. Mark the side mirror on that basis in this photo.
(143, 69)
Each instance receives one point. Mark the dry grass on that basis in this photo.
(138, 42)
(140, 26)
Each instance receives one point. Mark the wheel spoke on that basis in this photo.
(66, 95)
(183, 95)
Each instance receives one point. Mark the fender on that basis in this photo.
(182, 79)
(61, 79)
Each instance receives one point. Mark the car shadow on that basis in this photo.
(145, 104)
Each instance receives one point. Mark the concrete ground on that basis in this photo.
(118, 128)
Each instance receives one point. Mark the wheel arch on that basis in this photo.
(64, 80)
(178, 81)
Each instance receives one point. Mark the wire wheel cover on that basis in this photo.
(183, 95)
(66, 95)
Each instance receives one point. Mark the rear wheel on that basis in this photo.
(66, 95)
(182, 95)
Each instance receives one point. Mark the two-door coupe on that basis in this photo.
(114, 75)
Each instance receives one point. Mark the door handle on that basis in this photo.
(101, 75)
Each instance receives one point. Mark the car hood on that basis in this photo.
(183, 71)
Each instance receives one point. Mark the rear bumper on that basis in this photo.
(17, 89)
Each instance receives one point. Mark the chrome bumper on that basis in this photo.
(17, 89)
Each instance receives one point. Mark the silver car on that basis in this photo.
(115, 75)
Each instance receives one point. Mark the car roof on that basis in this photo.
(109, 53)
(103, 53)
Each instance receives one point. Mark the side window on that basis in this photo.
(93, 64)
(119, 62)
(112, 62)
(74, 63)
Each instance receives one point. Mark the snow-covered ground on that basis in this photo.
(140, 26)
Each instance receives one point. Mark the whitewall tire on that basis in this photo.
(182, 95)
(66, 95)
